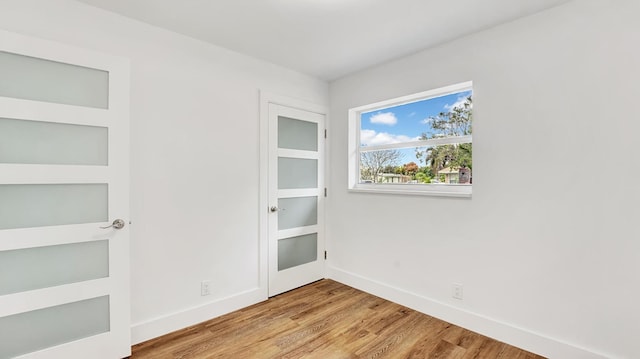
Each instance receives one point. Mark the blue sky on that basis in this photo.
(405, 122)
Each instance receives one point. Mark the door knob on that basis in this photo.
(274, 209)
(117, 224)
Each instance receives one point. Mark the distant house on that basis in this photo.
(393, 178)
(455, 175)
(450, 174)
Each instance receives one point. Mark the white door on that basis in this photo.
(296, 198)
(64, 133)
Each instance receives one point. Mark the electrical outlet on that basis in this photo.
(457, 291)
(205, 287)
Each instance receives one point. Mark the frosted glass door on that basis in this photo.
(295, 223)
(64, 273)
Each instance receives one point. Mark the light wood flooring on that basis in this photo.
(326, 320)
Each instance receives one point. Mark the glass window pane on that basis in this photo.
(35, 142)
(31, 78)
(296, 251)
(42, 267)
(441, 164)
(39, 329)
(38, 205)
(384, 166)
(297, 134)
(449, 115)
(297, 173)
(297, 212)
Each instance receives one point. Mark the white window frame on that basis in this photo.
(440, 189)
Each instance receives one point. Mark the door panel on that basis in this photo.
(39, 329)
(57, 265)
(297, 212)
(64, 280)
(297, 173)
(296, 222)
(35, 78)
(297, 135)
(37, 142)
(299, 250)
(38, 205)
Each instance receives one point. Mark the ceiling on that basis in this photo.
(325, 38)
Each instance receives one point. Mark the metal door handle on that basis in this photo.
(117, 224)
(274, 209)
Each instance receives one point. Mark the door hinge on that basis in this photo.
(325, 133)
(325, 191)
(325, 255)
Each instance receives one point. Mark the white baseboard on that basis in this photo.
(156, 327)
(504, 332)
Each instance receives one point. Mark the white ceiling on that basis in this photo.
(325, 38)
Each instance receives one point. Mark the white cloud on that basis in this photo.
(459, 103)
(373, 138)
(427, 121)
(384, 118)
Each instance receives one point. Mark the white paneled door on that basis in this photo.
(64, 201)
(296, 198)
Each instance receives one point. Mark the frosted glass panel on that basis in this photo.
(297, 135)
(297, 173)
(299, 250)
(31, 78)
(38, 205)
(42, 267)
(297, 212)
(34, 142)
(39, 329)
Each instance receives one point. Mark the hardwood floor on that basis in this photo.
(326, 320)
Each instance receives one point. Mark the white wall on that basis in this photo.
(548, 248)
(194, 153)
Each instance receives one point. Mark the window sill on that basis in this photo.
(436, 190)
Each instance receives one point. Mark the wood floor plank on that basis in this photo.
(460, 337)
(485, 349)
(436, 329)
(446, 350)
(399, 339)
(328, 324)
(326, 320)
(342, 339)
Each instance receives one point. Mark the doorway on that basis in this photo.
(295, 193)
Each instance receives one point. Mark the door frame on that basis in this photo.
(267, 98)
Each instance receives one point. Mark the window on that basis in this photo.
(417, 144)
